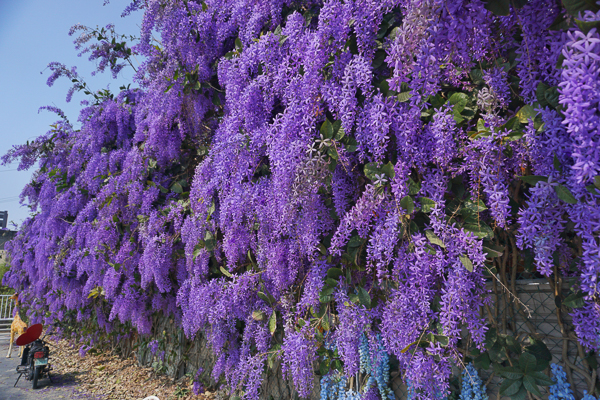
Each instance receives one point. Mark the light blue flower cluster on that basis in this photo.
(472, 387)
(587, 396)
(374, 362)
(333, 387)
(411, 389)
(363, 351)
(382, 370)
(561, 389)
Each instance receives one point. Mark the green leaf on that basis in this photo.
(512, 344)
(459, 101)
(441, 339)
(407, 204)
(540, 94)
(328, 291)
(482, 362)
(273, 323)
(457, 117)
(404, 350)
(531, 386)
(413, 187)
(466, 261)
(216, 100)
(434, 239)
(379, 58)
(334, 273)
(527, 362)
(322, 248)
(258, 315)
(541, 352)
(510, 387)
(559, 23)
(355, 241)
(592, 361)
(533, 179)
(324, 367)
(575, 300)
(574, 7)
(403, 97)
(565, 194)
(475, 206)
(477, 76)
(541, 378)
(541, 365)
(331, 165)
(364, 298)
(332, 152)
(482, 230)
(526, 113)
(513, 136)
(351, 144)
(388, 169)
(493, 251)
(331, 282)
(512, 124)
(371, 170)
(393, 34)
(325, 299)
(197, 249)
(597, 181)
(560, 60)
(337, 364)
(211, 208)
(436, 101)
(264, 297)
(325, 322)
(498, 7)
(513, 373)
(327, 130)
(272, 358)
(490, 337)
(225, 272)
(556, 163)
(339, 132)
(552, 97)
(427, 204)
(520, 395)
(210, 244)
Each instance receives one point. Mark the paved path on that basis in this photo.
(61, 387)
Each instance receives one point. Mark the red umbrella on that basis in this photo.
(32, 333)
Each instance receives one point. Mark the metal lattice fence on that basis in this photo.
(7, 306)
(537, 313)
(533, 312)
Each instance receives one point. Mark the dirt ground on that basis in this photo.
(96, 376)
(109, 377)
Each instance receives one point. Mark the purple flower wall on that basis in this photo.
(289, 177)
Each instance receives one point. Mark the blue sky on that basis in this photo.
(32, 34)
